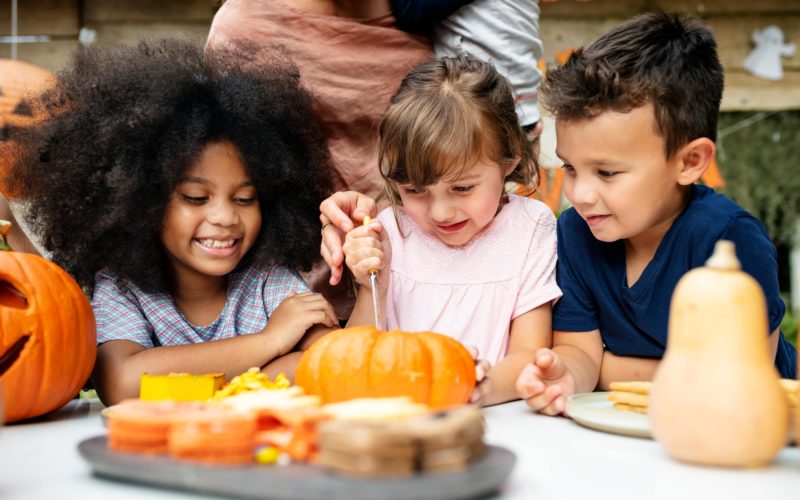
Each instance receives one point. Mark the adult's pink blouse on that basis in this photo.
(352, 66)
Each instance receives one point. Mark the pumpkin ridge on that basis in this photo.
(32, 377)
(51, 359)
(59, 354)
(374, 338)
(80, 357)
(363, 361)
(309, 364)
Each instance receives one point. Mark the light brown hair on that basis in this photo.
(448, 114)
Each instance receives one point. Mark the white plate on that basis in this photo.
(593, 409)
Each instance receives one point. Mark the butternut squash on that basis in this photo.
(797, 409)
(716, 397)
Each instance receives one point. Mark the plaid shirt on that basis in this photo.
(124, 312)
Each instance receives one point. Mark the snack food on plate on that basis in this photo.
(792, 389)
(251, 380)
(635, 395)
(255, 419)
(144, 426)
(216, 436)
(286, 419)
(400, 444)
(449, 440)
(180, 386)
(629, 401)
(630, 396)
(375, 409)
(366, 448)
(635, 387)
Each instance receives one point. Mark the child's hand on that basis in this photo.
(338, 213)
(546, 383)
(364, 249)
(295, 315)
(482, 382)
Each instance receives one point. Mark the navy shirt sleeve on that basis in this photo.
(576, 311)
(759, 259)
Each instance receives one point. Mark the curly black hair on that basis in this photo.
(123, 124)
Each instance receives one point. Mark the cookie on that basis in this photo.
(636, 387)
(629, 398)
(627, 407)
(792, 390)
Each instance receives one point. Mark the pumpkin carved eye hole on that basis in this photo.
(7, 358)
(11, 297)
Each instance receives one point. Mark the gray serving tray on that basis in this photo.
(298, 481)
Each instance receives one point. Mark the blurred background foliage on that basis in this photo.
(759, 157)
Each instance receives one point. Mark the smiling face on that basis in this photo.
(213, 217)
(617, 176)
(455, 210)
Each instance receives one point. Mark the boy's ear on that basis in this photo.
(694, 158)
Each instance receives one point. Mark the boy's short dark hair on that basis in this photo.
(655, 58)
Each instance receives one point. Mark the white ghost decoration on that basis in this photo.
(765, 59)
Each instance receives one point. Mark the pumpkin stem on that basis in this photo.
(724, 257)
(5, 228)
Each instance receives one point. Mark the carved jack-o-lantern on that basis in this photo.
(19, 81)
(47, 334)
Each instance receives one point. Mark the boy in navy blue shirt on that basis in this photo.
(636, 117)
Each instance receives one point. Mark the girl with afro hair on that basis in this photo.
(182, 190)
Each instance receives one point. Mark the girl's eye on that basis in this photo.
(606, 173)
(412, 190)
(568, 168)
(462, 189)
(245, 201)
(196, 200)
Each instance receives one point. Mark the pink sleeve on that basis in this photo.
(538, 285)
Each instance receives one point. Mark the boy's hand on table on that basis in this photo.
(546, 383)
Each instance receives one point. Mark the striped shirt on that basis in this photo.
(124, 312)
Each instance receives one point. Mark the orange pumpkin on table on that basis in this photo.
(363, 361)
(47, 334)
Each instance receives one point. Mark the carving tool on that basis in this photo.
(373, 283)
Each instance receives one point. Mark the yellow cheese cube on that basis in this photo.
(180, 386)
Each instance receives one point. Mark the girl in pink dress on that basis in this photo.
(456, 254)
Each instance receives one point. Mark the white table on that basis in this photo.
(556, 459)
